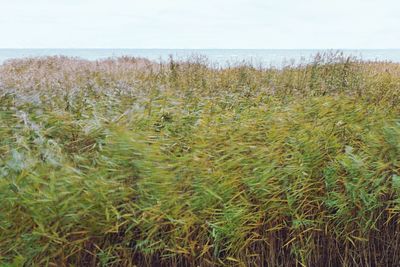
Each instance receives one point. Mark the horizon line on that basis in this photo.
(155, 48)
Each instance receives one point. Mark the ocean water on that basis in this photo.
(217, 57)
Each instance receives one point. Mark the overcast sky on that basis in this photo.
(200, 24)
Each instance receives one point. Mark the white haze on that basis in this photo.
(336, 24)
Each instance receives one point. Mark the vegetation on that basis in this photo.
(125, 162)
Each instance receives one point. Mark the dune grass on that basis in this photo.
(130, 163)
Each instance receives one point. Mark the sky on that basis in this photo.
(279, 24)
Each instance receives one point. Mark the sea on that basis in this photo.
(215, 57)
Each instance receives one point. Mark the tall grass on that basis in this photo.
(126, 162)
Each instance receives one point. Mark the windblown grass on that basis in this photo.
(126, 162)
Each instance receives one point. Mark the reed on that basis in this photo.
(126, 162)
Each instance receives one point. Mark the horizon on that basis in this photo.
(265, 57)
(167, 48)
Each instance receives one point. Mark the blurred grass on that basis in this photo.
(126, 162)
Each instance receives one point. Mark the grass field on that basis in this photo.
(125, 162)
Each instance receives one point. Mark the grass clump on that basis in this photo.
(126, 162)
